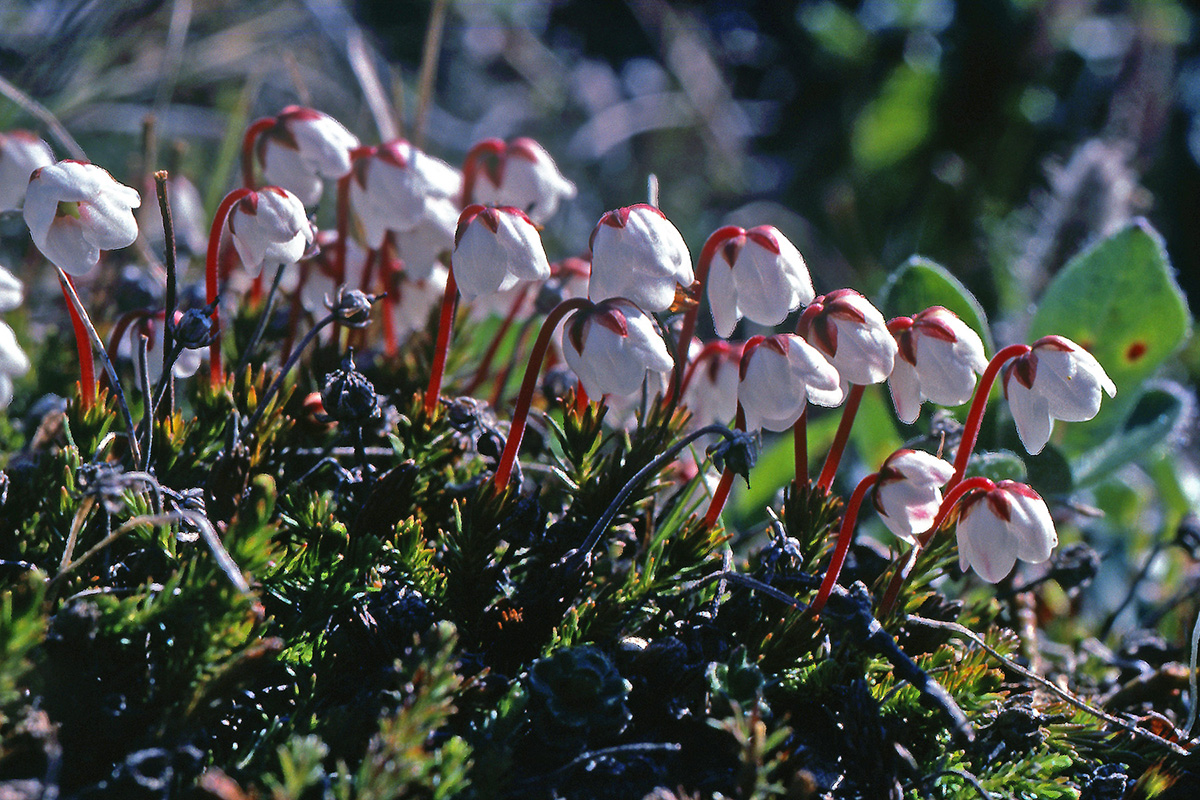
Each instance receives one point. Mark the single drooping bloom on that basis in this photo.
(494, 248)
(13, 363)
(938, 358)
(852, 334)
(1002, 523)
(712, 394)
(638, 254)
(302, 147)
(74, 210)
(12, 291)
(520, 174)
(21, 152)
(612, 346)
(908, 493)
(779, 375)
(270, 227)
(757, 274)
(423, 247)
(417, 297)
(1056, 379)
(394, 184)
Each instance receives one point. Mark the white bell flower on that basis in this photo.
(74, 210)
(1000, 524)
(612, 347)
(938, 358)
(13, 363)
(908, 493)
(780, 374)
(522, 174)
(852, 334)
(639, 255)
(494, 248)
(270, 227)
(302, 147)
(757, 274)
(12, 290)
(1056, 379)
(394, 184)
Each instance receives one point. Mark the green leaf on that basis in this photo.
(996, 465)
(1157, 413)
(921, 283)
(1119, 300)
(896, 123)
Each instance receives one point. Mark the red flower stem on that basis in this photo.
(689, 319)
(471, 166)
(800, 443)
(211, 288)
(900, 576)
(83, 344)
(389, 274)
(845, 537)
(528, 384)
(255, 295)
(485, 366)
(442, 346)
(258, 128)
(978, 404)
(717, 503)
(849, 411)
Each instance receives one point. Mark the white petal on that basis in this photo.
(987, 543)
(1031, 413)
(1072, 382)
(284, 167)
(905, 390)
(13, 360)
(866, 352)
(1034, 528)
(12, 291)
(946, 369)
(723, 299)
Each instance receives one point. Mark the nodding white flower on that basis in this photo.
(21, 152)
(612, 346)
(639, 255)
(12, 291)
(1056, 379)
(422, 247)
(189, 220)
(494, 248)
(74, 210)
(13, 363)
(757, 274)
(519, 174)
(1001, 523)
(712, 393)
(938, 358)
(303, 146)
(908, 493)
(417, 297)
(852, 334)
(394, 184)
(270, 227)
(779, 375)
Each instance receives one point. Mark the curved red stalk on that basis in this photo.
(258, 128)
(442, 346)
(87, 364)
(717, 503)
(706, 352)
(212, 291)
(114, 338)
(978, 404)
(845, 537)
(528, 384)
(849, 411)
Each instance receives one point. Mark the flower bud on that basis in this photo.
(612, 347)
(639, 255)
(779, 375)
(1001, 523)
(194, 328)
(852, 334)
(738, 454)
(495, 248)
(937, 360)
(1056, 379)
(754, 273)
(75, 210)
(352, 307)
